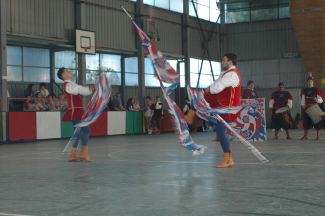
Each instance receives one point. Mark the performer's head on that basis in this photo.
(64, 74)
(157, 98)
(229, 60)
(250, 84)
(148, 98)
(186, 99)
(281, 86)
(310, 82)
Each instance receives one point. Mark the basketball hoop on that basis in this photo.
(90, 47)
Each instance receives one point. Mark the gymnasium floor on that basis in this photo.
(152, 175)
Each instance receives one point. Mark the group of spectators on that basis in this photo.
(41, 100)
(153, 111)
(115, 104)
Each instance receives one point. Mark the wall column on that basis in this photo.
(185, 41)
(81, 24)
(3, 54)
(140, 54)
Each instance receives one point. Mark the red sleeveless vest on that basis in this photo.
(75, 109)
(229, 97)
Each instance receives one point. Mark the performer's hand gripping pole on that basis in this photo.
(244, 141)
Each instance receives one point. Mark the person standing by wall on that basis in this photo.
(118, 103)
(250, 92)
(148, 114)
(158, 114)
(310, 96)
(280, 99)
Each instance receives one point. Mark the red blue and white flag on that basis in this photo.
(166, 74)
(97, 103)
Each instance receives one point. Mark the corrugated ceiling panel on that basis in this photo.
(113, 27)
(293, 72)
(169, 42)
(268, 73)
(263, 40)
(42, 18)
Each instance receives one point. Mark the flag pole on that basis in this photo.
(126, 12)
(254, 150)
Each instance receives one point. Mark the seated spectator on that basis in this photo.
(29, 91)
(31, 106)
(62, 104)
(41, 101)
(137, 105)
(43, 90)
(51, 104)
(129, 105)
(118, 103)
(110, 104)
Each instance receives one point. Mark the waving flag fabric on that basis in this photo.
(97, 103)
(166, 74)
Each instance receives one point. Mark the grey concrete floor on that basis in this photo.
(153, 175)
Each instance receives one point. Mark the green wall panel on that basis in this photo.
(66, 128)
(129, 122)
(137, 124)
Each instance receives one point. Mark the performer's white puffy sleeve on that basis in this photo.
(302, 102)
(271, 103)
(75, 89)
(289, 103)
(229, 79)
(319, 99)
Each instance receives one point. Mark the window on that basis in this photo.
(28, 64)
(206, 9)
(103, 63)
(68, 60)
(151, 79)
(131, 71)
(205, 78)
(257, 10)
(173, 5)
(174, 63)
(149, 73)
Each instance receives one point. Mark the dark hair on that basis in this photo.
(37, 94)
(157, 97)
(231, 57)
(29, 89)
(42, 84)
(186, 98)
(60, 72)
(129, 102)
(148, 97)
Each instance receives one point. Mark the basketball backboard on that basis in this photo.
(85, 42)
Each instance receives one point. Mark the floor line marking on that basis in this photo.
(13, 214)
